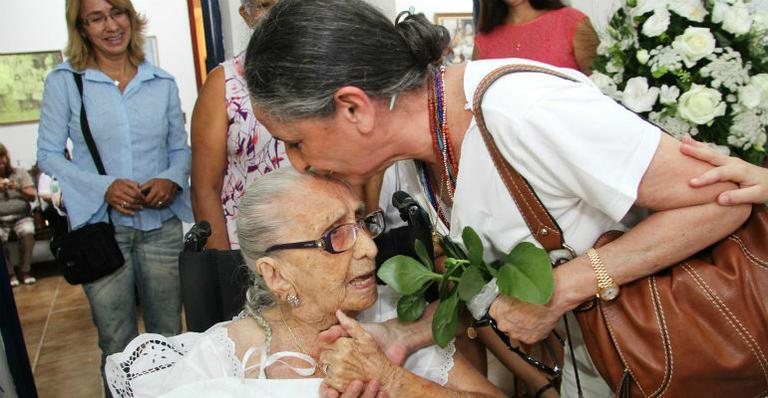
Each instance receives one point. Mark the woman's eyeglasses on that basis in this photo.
(98, 19)
(342, 237)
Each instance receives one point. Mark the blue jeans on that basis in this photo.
(151, 268)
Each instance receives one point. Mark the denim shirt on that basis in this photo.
(139, 133)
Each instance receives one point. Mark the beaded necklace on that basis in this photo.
(441, 143)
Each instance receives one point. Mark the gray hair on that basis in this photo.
(261, 216)
(303, 51)
(259, 226)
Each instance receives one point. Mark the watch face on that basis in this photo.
(609, 293)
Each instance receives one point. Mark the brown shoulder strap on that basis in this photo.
(542, 225)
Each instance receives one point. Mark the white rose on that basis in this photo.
(737, 19)
(669, 94)
(718, 11)
(761, 81)
(606, 84)
(760, 22)
(750, 96)
(657, 23)
(694, 44)
(642, 56)
(646, 6)
(700, 105)
(692, 10)
(637, 96)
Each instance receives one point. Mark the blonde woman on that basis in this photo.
(134, 115)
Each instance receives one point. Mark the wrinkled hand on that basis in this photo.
(356, 389)
(388, 336)
(522, 321)
(354, 358)
(752, 180)
(125, 196)
(158, 192)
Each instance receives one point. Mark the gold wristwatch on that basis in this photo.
(607, 289)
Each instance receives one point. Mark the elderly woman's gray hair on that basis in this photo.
(258, 225)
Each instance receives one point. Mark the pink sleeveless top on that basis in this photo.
(548, 38)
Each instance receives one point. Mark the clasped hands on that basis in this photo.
(356, 366)
(128, 197)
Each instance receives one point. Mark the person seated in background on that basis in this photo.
(312, 261)
(542, 30)
(16, 191)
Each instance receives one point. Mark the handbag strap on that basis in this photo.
(540, 222)
(86, 128)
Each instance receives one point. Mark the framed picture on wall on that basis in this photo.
(22, 76)
(462, 29)
(150, 50)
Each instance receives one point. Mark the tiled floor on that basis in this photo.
(60, 337)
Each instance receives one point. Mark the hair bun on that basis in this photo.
(425, 40)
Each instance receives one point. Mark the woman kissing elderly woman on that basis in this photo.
(308, 240)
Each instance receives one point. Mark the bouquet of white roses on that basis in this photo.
(692, 67)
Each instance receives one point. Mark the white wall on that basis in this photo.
(39, 25)
(429, 8)
(236, 33)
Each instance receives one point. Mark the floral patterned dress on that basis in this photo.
(251, 150)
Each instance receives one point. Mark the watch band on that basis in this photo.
(604, 281)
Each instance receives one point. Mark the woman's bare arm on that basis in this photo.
(209, 157)
(585, 42)
(685, 221)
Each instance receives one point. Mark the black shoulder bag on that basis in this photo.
(90, 252)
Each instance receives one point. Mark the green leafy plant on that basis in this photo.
(525, 274)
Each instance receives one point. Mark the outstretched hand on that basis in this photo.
(752, 180)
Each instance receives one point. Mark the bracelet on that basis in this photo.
(607, 289)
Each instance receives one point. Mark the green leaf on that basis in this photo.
(421, 251)
(473, 244)
(446, 320)
(405, 275)
(410, 307)
(527, 274)
(471, 282)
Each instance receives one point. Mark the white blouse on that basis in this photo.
(205, 364)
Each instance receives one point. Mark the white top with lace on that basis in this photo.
(205, 364)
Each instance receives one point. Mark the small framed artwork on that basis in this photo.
(22, 77)
(462, 29)
(150, 50)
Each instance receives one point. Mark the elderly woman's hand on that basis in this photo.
(354, 358)
(522, 321)
(357, 389)
(752, 180)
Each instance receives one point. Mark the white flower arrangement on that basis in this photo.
(697, 67)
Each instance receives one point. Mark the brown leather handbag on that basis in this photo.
(695, 329)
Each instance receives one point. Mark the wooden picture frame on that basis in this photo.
(22, 79)
(461, 26)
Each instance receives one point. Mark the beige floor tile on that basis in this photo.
(69, 332)
(71, 376)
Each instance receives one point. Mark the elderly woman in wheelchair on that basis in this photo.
(313, 257)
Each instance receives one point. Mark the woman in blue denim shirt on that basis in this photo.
(135, 117)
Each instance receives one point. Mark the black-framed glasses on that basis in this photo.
(341, 237)
(98, 19)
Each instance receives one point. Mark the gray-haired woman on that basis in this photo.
(313, 261)
(350, 93)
